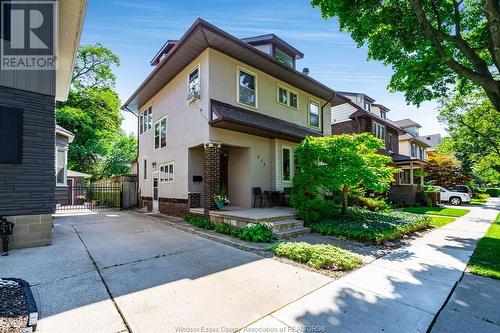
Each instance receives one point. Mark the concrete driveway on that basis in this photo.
(121, 271)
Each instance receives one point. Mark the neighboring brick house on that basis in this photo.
(360, 114)
(28, 129)
(218, 110)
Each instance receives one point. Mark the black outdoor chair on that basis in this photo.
(287, 191)
(258, 195)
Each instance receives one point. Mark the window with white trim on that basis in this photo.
(61, 166)
(413, 150)
(145, 120)
(422, 153)
(161, 133)
(314, 114)
(287, 97)
(286, 164)
(283, 58)
(378, 130)
(167, 172)
(247, 88)
(390, 142)
(193, 86)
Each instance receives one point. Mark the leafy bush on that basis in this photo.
(372, 204)
(318, 256)
(199, 222)
(478, 195)
(494, 192)
(257, 233)
(371, 226)
(227, 229)
(310, 209)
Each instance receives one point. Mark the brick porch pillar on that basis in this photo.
(211, 174)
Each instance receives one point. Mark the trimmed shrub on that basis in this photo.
(494, 192)
(318, 256)
(369, 226)
(373, 204)
(481, 196)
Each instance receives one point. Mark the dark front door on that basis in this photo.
(224, 169)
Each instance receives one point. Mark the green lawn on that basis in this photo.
(478, 201)
(453, 212)
(486, 259)
(370, 226)
(441, 221)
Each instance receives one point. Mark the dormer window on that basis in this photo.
(367, 107)
(283, 58)
(383, 114)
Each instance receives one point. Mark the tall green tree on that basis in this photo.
(92, 113)
(473, 125)
(432, 45)
(338, 163)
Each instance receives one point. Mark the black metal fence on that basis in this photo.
(90, 198)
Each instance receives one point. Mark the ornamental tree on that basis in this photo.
(326, 165)
(431, 45)
(444, 170)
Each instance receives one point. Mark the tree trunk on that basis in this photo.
(345, 194)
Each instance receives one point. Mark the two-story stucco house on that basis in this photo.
(221, 111)
(360, 114)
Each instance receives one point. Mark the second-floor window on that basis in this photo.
(145, 120)
(313, 117)
(193, 86)
(247, 88)
(390, 142)
(421, 153)
(288, 97)
(367, 106)
(378, 130)
(144, 169)
(383, 114)
(161, 133)
(413, 150)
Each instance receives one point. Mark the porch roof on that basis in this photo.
(405, 159)
(241, 120)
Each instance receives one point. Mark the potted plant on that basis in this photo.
(221, 199)
(80, 199)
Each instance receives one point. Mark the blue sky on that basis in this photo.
(135, 30)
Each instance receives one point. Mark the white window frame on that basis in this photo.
(169, 176)
(197, 67)
(65, 166)
(413, 150)
(288, 96)
(283, 166)
(146, 120)
(242, 69)
(320, 114)
(390, 142)
(160, 135)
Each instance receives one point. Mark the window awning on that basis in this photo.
(241, 120)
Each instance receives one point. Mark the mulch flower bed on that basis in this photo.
(13, 307)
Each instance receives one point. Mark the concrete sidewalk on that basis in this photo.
(402, 291)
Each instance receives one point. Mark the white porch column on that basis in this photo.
(411, 172)
(422, 176)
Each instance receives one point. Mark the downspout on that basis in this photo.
(137, 155)
(327, 102)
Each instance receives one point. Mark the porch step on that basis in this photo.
(286, 224)
(291, 233)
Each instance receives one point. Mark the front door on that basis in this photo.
(155, 192)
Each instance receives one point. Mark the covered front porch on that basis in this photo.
(409, 181)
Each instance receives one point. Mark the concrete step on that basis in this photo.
(286, 224)
(291, 233)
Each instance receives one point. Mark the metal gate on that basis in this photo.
(90, 198)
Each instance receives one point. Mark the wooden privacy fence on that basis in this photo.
(128, 188)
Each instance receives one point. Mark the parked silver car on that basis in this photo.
(454, 198)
